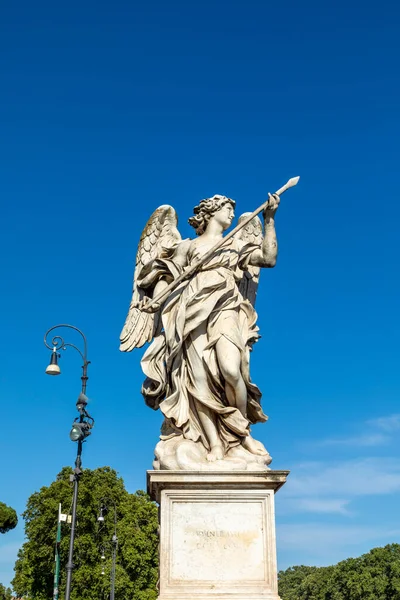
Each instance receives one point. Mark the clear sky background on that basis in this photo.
(109, 109)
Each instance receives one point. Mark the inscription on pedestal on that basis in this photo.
(232, 550)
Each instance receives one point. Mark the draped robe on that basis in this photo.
(182, 356)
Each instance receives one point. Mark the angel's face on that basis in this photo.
(224, 216)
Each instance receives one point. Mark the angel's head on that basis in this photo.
(218, 207)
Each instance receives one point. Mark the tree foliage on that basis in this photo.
(373, 576)
(8, 518)
(5, 593)
(137, 526)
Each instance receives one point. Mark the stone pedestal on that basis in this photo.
(217, 534)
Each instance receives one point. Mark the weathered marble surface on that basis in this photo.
(217, 534)
(202, 332)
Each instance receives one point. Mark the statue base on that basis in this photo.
(179, 454)
(217, 534)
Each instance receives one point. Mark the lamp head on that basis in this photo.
(79, 431)
(53, 368)
(100, 518)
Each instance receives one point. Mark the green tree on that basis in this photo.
(8, 518)
(137, 526)
(5, 593)
(291, 580)
(317, 585)
(373, 576)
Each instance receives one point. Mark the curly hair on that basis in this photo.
(206, 209)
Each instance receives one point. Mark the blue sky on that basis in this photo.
(108, 110)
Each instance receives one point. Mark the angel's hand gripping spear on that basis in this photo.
(153, 305)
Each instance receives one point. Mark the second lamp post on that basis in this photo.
(104, 507)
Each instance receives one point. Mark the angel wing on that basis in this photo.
(160, 232)
(250, 234)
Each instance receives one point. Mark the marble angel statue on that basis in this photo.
(202, 333)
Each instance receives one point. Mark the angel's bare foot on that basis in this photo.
(217, 453)
(254, 446)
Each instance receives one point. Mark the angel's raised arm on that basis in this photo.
(266, 256)
(258, 250)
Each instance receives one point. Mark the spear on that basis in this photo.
(153, 304)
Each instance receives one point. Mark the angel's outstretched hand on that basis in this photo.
(272, 206)
(143, 305)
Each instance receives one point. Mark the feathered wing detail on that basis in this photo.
(252, 233)
(160, 232)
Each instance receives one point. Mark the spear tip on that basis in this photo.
(293, 181)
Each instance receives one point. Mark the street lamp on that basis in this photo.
(81, 429)
(114, 540)
(53, 368)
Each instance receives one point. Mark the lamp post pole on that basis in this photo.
(57, 557)
(114, 558)
(80, 428)
(114, 540)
